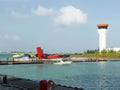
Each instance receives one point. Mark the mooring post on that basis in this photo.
(5, 79)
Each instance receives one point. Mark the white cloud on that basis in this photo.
(10, 37)
(20, 15)
(41, 11)
(70, 15)
(65, 16)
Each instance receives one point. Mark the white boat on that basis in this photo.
(58, 61)
(62, 62)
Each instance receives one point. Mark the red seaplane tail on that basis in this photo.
(40, 53)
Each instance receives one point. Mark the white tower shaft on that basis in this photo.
(102, 38)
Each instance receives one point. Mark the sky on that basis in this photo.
(57, 26)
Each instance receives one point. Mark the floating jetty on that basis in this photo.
(74, 60)
(20, 62)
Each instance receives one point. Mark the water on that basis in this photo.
(88, 75)
(6, 57)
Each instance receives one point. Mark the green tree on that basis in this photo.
(104, 51)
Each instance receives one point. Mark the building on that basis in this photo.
(102, 31)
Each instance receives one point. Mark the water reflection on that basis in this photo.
(102, 80)
(39, 66)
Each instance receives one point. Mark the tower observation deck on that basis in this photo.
(102, 26)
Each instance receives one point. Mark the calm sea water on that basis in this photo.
(88, 75)
(6, 56)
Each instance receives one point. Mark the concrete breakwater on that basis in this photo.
(93, 59)
(13, 83)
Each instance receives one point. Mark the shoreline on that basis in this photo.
(73, 59)
(26, 84)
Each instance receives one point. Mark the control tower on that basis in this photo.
(102, 31)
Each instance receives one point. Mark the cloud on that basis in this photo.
(41, 11)
(70, 15)
(20, 15)
(65, 16)
(7, 37)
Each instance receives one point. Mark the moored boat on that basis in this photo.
(22, 57)
(58, 61)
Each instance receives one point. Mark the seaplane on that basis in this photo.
(40, 56)
(53, 58)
